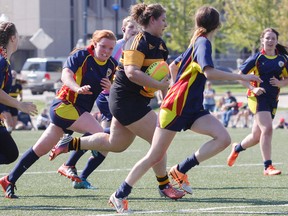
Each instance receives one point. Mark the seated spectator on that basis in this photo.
(230, 108)
(24, 122)
(209, 94)
(43, 120)
(243, 112)
(281, 124)
(218, 112)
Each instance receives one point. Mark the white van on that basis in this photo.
(42, 73)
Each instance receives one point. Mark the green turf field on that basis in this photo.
(218, 189)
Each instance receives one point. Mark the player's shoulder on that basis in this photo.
(135, 41)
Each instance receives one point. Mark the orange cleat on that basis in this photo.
(171, 193)
(61, 147)
(233, 155)
(181, 179)
(271, 170)
(8, 188)
(70, 172)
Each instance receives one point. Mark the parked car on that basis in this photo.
(42, 73)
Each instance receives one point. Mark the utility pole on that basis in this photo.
(116, 7)
(85, 9)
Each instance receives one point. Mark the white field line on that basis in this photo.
(223, 210)
(128, 169)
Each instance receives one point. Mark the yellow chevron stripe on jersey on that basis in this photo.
(136, 41)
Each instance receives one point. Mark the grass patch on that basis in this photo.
(218, 189)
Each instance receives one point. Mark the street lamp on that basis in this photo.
(116, 7)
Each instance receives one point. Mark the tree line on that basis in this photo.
(242, 22)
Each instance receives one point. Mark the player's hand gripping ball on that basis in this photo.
(157, 70)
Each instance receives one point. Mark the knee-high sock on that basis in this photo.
(123, 191)
(76, 155)
(92, 164)
(28, 158)
(187, 164)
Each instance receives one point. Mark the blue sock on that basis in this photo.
(91, 165)
(27, 159)
(187, 164)
(239, 148)
(267, 163)
(123, 191)
(76, 155)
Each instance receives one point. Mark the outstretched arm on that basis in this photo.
(26, 107)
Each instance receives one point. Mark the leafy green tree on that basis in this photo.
(242, 22)
(180, 18)
(246, 19)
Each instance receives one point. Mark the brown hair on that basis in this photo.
(281, 49)
(142, 12)
(7, 30)
(97, 36)
(207, 19)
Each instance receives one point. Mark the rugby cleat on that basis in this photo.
(8, 188)
(61, 147)
(180, 179)
(84, 184)
(120, 205)
(171, 192)
(271, 170)
(233, 155)
(70, 172)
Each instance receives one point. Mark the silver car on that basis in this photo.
(42, 73)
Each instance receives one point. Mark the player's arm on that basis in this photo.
(137, 76)
(173, 68)
(26, 107)
(68, 79)
(279, 83)
(8, 100)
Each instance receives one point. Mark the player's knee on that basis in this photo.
(224, 140)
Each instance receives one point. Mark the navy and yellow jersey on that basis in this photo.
(185, 97)
(16, 89)
(178, 60)
(266, 67)
(87, 71)
(5, 78)
(140, 50)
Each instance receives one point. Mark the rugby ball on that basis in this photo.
(157, 70)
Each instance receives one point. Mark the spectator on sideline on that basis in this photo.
(230, 107)
(218, 112)
(43, 120)
(282, 124)
(24, 122)
(209, 97)
(244, 112)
